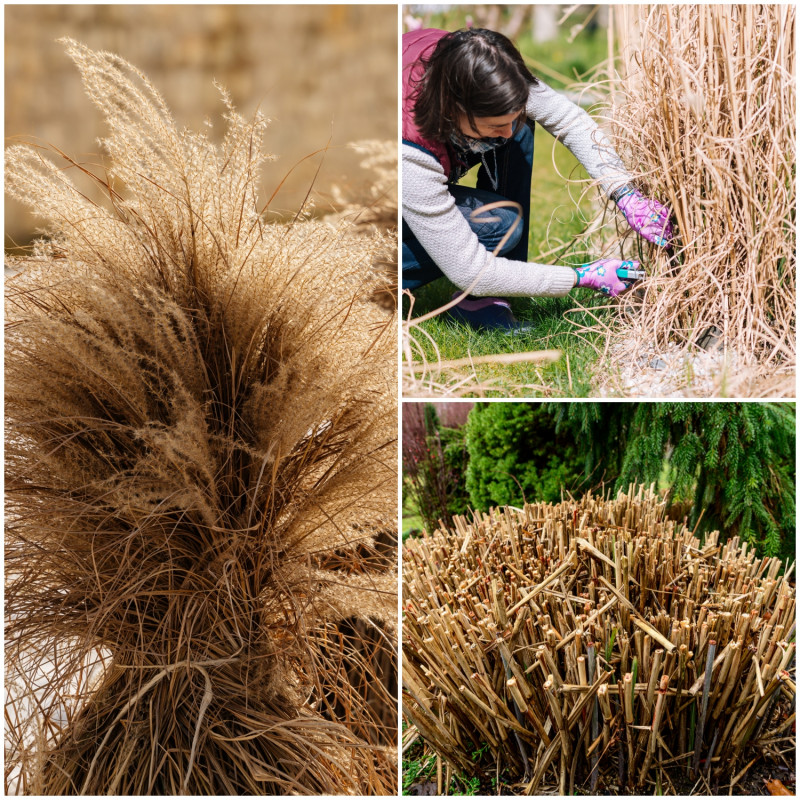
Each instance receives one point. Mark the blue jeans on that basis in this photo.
(514, 166)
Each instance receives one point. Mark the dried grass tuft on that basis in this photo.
(200, 476)
(702, 110)
(373, 210)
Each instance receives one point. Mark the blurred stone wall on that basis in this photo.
(317, 71)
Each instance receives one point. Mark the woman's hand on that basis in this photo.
(649, 218)
(602, 275)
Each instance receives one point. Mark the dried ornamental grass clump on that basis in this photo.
(594, 644)
(200, 477)
(702, 109)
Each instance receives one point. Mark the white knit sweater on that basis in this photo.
(431, 214)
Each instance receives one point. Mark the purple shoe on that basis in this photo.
(487, 313)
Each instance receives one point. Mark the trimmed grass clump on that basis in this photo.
(596, 646)
(200, 476)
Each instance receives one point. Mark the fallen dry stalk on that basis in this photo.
(588, 623)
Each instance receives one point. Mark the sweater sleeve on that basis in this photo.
(430, 212)
(573, 126)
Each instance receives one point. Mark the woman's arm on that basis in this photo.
(430, 212)
(573, 126)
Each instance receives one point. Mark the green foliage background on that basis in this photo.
(456, 459)
(732, 465)
(433, 479)
(515, 453)
(735, 462)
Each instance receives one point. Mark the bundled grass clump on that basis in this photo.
(702, 109)
(595, 645)
(200, 476)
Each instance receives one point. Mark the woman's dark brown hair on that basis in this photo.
(477, 73)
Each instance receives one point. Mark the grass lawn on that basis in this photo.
(557, 216)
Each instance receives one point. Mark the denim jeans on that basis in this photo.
(514, 166)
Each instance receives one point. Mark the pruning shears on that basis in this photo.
(625, 273)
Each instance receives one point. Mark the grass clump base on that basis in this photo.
(597, 646)
(200, 475)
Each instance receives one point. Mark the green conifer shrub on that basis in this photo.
(456, 461)
(515, 453)
(735, 462)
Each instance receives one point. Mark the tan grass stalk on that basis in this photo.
(200, 476)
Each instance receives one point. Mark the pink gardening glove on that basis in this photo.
(602, 275)
(649, 218)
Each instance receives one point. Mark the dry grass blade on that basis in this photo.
(200, 477)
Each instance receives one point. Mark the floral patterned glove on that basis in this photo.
(602, 275)
(649, 218)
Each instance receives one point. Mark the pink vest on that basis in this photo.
(416, 45)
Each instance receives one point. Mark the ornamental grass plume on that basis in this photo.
(702, 109)
(374, 208)
(200, 476)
